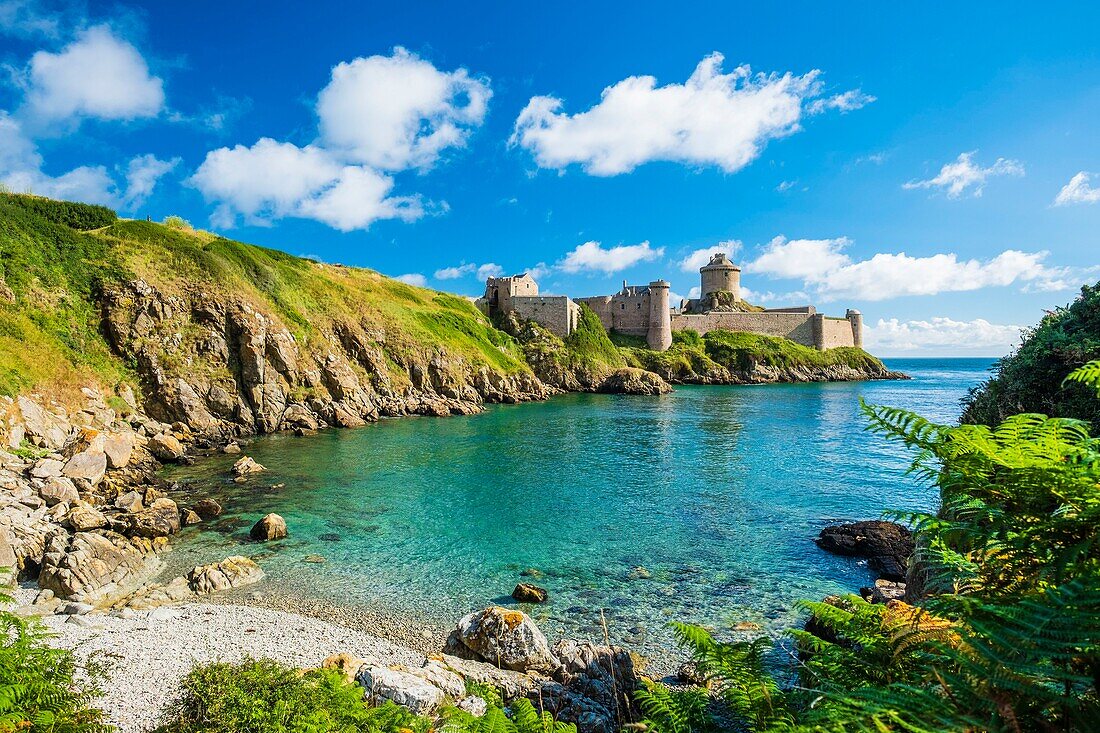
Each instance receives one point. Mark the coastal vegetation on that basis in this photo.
(1031, 378)
(1004, 633)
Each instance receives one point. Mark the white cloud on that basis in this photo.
(489, 269)
(1077, 191)
(21, 170)
(540, 271)
(591, 257)
(142, 175)
(785, 186)
(272, 180)
(831, 274)
(97, 75)
(844, 103)
(28, 19)
(454, 273)
(700, 257)
(941, 333)
(956, 177)
(413, 278)
(397, 112)
(695, 292)
(714, 118)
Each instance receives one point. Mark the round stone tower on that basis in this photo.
(720, 275)
(659, 336)
(856, 319)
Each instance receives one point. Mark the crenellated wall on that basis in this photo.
(555, 312)
(803, 326)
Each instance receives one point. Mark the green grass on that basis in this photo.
(589, 345)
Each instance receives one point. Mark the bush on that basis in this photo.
(39, 690)
(178, 222)
(73, 215)
(1030, 379)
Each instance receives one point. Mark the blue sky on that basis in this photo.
(445, 141)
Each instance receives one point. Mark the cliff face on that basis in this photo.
(213, 361)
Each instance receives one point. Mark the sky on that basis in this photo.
(937, 168)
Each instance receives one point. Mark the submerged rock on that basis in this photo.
(245, 466)
(271, 527)
(207, 508)
(529, 593)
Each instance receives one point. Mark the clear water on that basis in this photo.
(699, 506)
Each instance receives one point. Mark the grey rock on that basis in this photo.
(232, 572)
(405, 689)
(509, 639)
(131, 501)
(58, 489)
(473, 705)
(48, 468)
(245, 466)
(89, 465)
(119, 448)
(160, 519)
(76, 608)
(95, 567)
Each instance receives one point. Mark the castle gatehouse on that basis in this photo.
(644, 310)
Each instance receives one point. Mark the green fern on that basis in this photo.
(1089, 374)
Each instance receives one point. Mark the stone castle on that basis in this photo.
(644, 310)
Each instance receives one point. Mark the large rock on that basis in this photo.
(506, 638)
(886, 545)
(232, 572)
(207, 508)
(245, 466)
(635, 382)
(270, 527)
(599, 684)
(47, 468)
(89, 465)
(529, 593)
(166, 447)
(38, 423)
(96, 567)
(119, 448)
(83, 517)
(58, 489)
(404, 688)
(159, 519)
(9, 563)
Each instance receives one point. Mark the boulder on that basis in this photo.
(344, 663)
(47, 468)
(131, 501)
(528, 593)
(41, 424)
(119, 447)
(207, 508)
(884, 591)
(83, 517)
(270, 527)
(635, 382)
(299, 417)
(166, 447)
(405, 689)
(58, 489)
(512, 685)
(598, 682)
(473, 705)
(95, 567)
(160, 519)
(232, 572)
(437, 673)
(89, 465)
(189, 518)
(506, 638)
(887, 545)
(245, 466)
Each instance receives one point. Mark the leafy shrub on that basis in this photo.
(39, 690)
(73, 215)
(177, 222)
(1031, 378)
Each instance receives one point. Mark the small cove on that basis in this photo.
(698, 506)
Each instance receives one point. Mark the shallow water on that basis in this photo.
(698, 506)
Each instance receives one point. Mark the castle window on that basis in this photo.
(622, 306)
(639, 306)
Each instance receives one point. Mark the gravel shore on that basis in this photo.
(151, 652)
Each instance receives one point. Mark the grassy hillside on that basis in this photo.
(50, 320)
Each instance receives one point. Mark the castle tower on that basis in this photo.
(720, 275)
(659, 336)
(856, 319)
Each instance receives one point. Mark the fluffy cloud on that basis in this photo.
(97, 75)
(142, 175)
(28, 19)
(397, 112)
(700, 257)
(1077, 191)
(21, 170)
(489, 269)
(377, 115)
(271, 180)
(413, 278)
(962, 174)
(714, 118)
(591, 257)
(826, 270)
(941, 333)
(844, 103)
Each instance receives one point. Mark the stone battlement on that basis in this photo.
(644, 310)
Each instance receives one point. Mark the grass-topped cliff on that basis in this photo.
(220, 333)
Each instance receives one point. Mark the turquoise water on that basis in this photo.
(700, 505)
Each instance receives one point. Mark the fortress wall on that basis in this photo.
(601, 306)
(794, 326)
(836, 332)
(554, 312)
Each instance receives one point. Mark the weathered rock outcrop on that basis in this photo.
(232, 572)
(509, 639)
(96, 567)
(886, 545)
(634, 382)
